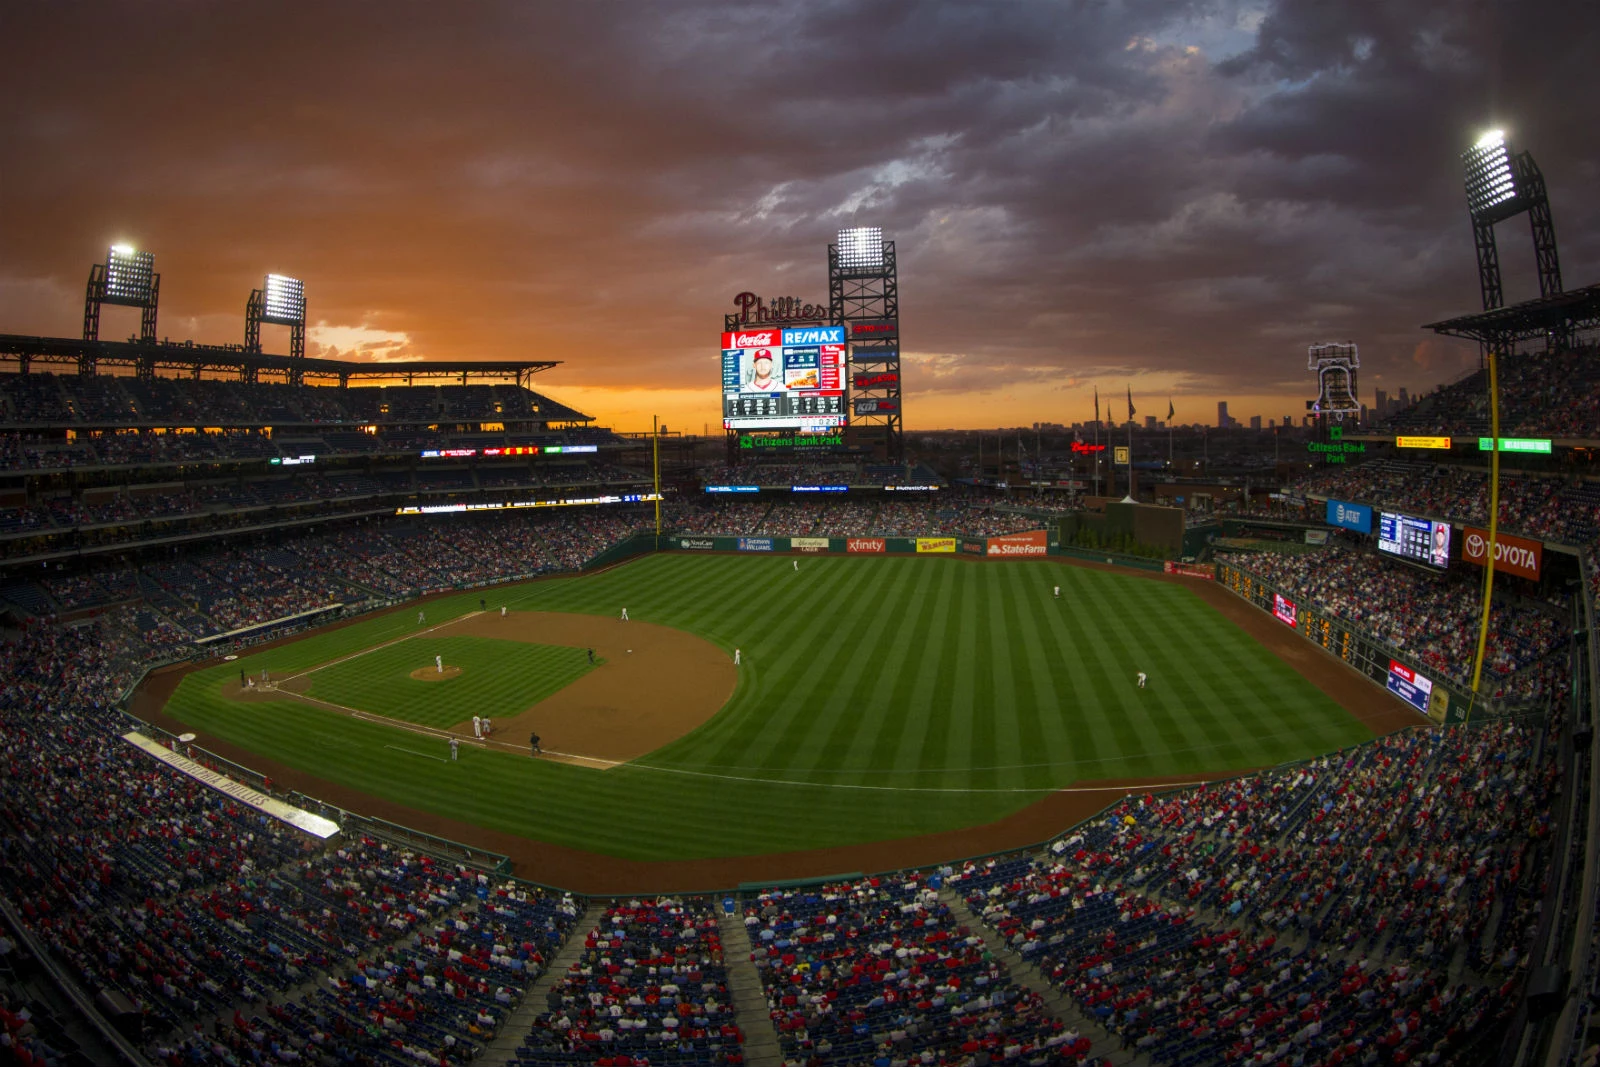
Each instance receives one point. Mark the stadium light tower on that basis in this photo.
(864, 298)
(127, 278)
(1501, 185)
(280, 300)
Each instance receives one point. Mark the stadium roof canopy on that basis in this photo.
(147, 359)
(1558, 316)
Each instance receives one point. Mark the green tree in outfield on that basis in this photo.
(1124, 544)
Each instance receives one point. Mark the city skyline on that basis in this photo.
(1171, 197)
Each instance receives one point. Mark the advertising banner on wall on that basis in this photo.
(1031, 543)
(702, 544)
(1512, 555)
(1408, 685)
(858, 545)
(809, 544)
(755, 544)
(1283, 609)
(1357, 517)
(936, 544)
(972, 548)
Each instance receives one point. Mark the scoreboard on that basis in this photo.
(1419, 540)
(784, 378)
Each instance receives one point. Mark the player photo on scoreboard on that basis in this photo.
(761, 370)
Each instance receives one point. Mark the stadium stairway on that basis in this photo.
(1103, 1043)
(749, 999)
(519, 1024)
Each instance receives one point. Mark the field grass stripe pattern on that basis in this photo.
(948, 692)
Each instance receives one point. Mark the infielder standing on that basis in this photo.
(736, 657)
(624, 614)
(421, 618)
(477, 727)
(455, 749)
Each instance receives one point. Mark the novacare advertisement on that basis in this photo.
(704, 544)
(936, 544)
(1032, 543)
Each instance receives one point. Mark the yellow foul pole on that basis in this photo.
(655, 462)
(1494, 518)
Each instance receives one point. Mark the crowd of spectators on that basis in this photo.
(44, 397)
(880, 971)
(1542, 394)
(1311, 914)
(148, 884)
(650, 987)
(1548, 508)
(1433, 618)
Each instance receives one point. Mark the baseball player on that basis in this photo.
(477, 727)
(1141, 679)
(421, 618)
(796, 566)
(438, 663)
(1058, 592)
(736, 657)
(761, 379)
(624, 614)
(502, 611)
(455, 749)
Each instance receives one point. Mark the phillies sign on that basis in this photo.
(783, 309)
(1512, 555)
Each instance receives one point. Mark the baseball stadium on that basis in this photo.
(404, 713)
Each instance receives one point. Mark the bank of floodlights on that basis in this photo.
(127, 278)
(285, 300)
(280, 300)
(861, 248)
(1500, 184)
(129, 275)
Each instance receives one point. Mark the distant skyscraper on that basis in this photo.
(1149, 422)
(1288, 422)
(1380, 403)
(1405, 401)
(1222, 415)
(1255, 422)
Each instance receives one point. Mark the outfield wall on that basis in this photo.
(1357, 647)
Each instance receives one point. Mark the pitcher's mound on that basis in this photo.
(433, 674)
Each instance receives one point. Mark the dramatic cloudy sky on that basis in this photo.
(1173, 195)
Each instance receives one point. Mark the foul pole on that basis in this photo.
(1494, 522)
(655, 462)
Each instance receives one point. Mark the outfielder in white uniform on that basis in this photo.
(502, 611)
(1058, 592)
(1141, 679)
(736, 657)
(624, 614)
(421, 618)
(797, 566)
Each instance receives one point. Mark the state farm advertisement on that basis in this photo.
(858, 545)
(1032, 543)
(1512, 555)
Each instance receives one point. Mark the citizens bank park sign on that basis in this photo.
(1512, 555)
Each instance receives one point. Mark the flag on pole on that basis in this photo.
(1170, 411)
(1130, 404)
(1097, 403)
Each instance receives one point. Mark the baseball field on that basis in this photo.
(875, 699)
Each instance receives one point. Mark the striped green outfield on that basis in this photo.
(879, 698)
(498, 679)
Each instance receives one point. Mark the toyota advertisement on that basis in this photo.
(777, 378)
(1512, 555)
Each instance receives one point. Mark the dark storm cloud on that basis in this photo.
(1192, 191)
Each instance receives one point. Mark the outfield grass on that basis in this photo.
(879, 698)
(498, 679)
